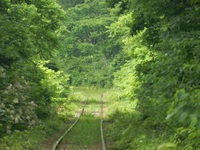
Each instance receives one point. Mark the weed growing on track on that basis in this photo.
(85, 133)
(44, 135)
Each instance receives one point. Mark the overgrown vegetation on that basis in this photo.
(30, 34)
(86, 134)
(35, 138)
(162, 74)
(147, 50)
(88, 51)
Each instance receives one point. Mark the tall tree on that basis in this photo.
(88, 50)
(29, 33)
(168, 81)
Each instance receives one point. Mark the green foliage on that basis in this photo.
(30, 31)
(86, 133)
(122, 5)
(33, 139)
(124, 128)
(163, 74)
(88, 51)
(56, 83)
(25, 98)
(17, 108)
(121, 28)
(167, 146)
(88, 127)
(189, 137)
(128, 72)
(69, 3)
(158, 67)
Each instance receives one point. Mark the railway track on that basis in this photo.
(79, 114)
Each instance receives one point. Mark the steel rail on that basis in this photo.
(56, 144)
(102, 135)
(103, 143)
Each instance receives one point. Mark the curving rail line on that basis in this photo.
(67, 131)
(56, 144)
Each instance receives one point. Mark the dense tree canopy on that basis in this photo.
(29, 34)
(163, 73)
(88, 50)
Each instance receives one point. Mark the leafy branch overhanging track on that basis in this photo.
(103, 143)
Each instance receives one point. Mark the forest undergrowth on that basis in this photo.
(123, 126)
(126, 130)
